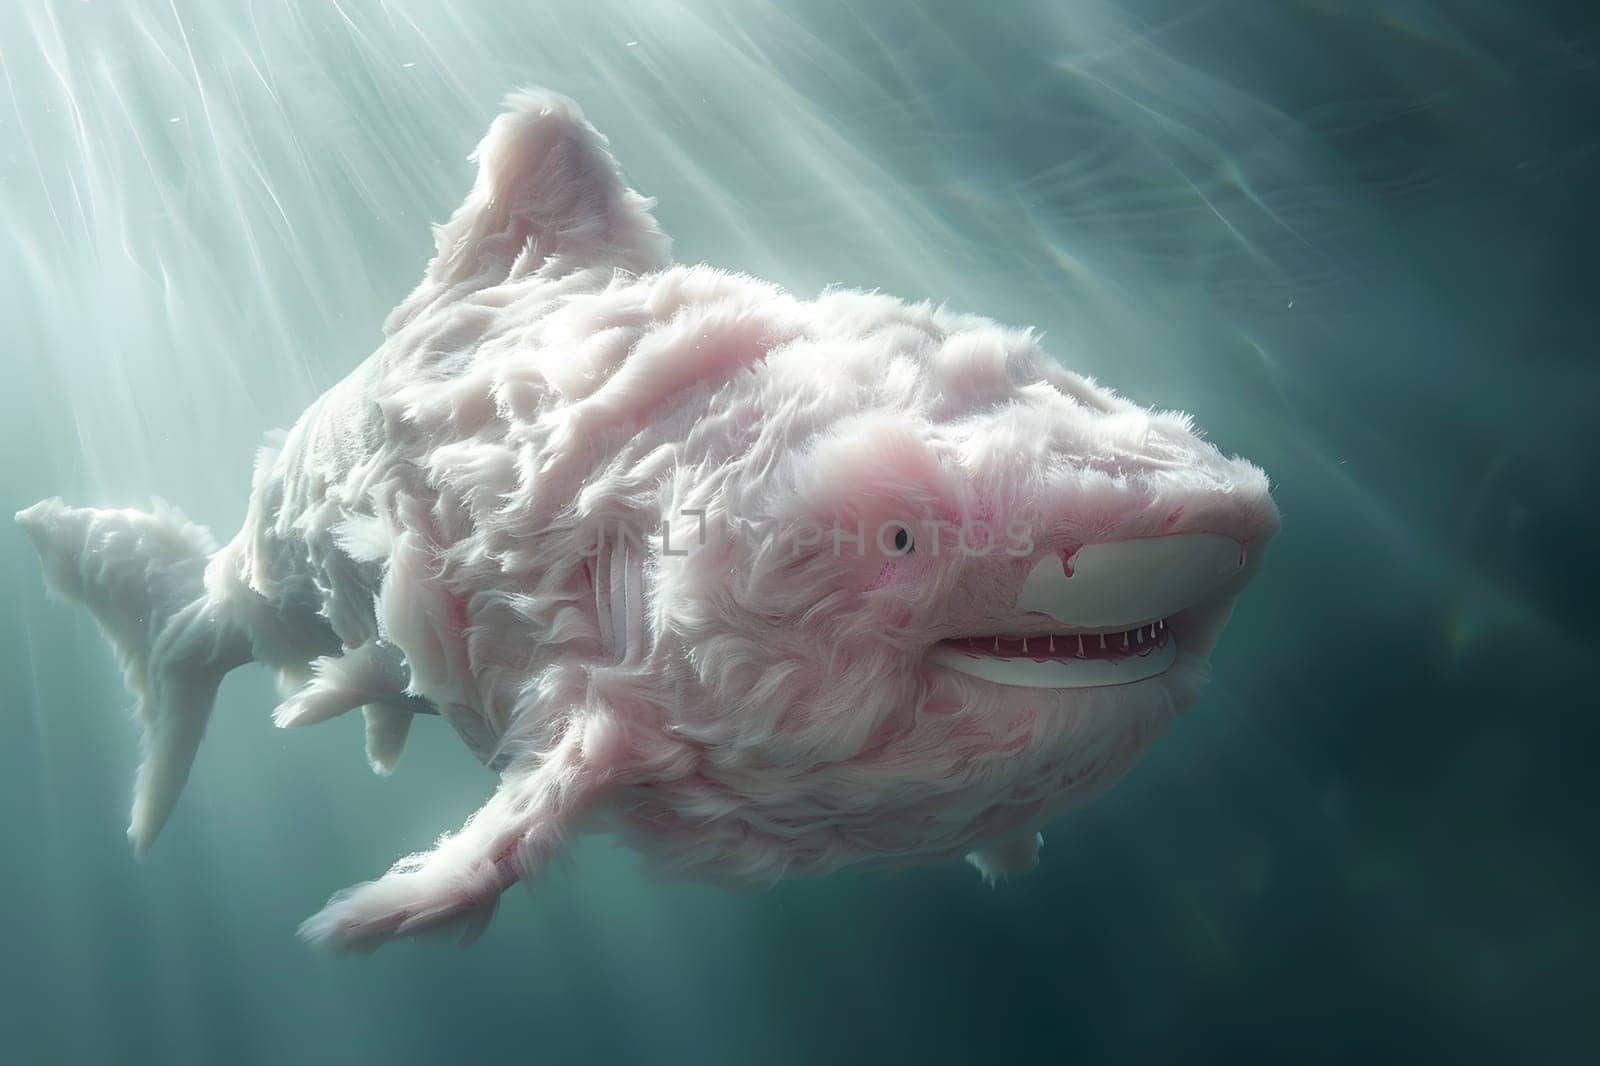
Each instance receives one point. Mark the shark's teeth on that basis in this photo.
(1057, 672)
(1133, 642)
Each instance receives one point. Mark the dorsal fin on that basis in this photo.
(549, 197)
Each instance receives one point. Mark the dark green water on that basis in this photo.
(1355, 239)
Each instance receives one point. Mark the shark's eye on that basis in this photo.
(903, 542)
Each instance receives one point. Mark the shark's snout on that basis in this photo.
(1126, 583)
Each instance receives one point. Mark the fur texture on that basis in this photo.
(618, 522)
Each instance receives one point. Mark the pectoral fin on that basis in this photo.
(457, 885)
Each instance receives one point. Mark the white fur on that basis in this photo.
(141, 577)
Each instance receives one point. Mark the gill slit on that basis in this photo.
(619, 600)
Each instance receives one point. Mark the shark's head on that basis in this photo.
(933, 552)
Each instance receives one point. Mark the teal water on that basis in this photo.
(1355, 239)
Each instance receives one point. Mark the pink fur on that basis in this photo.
(423, 539)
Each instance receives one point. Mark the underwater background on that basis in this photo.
(1356, 240)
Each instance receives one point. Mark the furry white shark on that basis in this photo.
(767, 586)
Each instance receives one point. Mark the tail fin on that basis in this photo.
(142, 575)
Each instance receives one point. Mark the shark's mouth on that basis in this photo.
(1092, 593)
(1062, 660)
